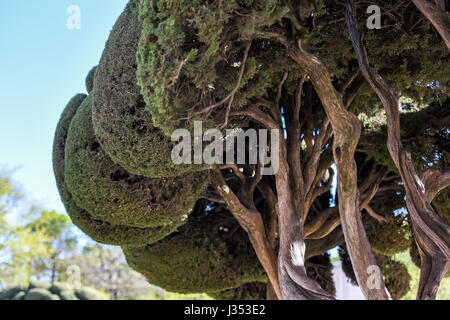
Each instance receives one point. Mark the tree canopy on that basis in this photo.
(366, 107)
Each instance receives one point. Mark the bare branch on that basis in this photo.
(375, 215)
(230, 96)
(318, 222)
(349, 82)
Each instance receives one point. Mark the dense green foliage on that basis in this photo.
(122, 124)
(170, 62)
(38, 290)
(111, 194)
(388, 238)
(216, 261)
(395, 273)
(90, 79)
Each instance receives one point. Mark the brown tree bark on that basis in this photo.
(293, 280)
(431, 233)
(251, 221)
(437, 16)
(295, 284)
(347, 129)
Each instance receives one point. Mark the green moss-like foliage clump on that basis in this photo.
(10, 293)
(320, 269)
(90, 294)
(185, 53)
(424, 133)
(40, 294)
(396, 276)
(200, 257)
(111, 194)
(249, 291)
(38, 290)
(388, 238)
(90, 80)
(59, 142)
(98, 230)
(442, 204)
(122, 124)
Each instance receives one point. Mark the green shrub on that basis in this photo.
(10, 293)
(68, 295)
(19, 296)
(37, 284)
(39, 290)
(90, 294)
(58, 287)
(38, 294)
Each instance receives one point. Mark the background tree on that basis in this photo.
(297, 66)
(61, 241)
(104, 268)
(32, 242)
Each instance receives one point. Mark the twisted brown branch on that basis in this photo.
(431, 233)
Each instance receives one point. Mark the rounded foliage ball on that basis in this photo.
(122, 123)
(214, 260)
(109, 193)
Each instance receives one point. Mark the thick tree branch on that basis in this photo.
(320, 246)
(435, 181)
(252, 222)
(437, 16)
(375, 215)
(431, 233)
(347, 129)
(294, 282)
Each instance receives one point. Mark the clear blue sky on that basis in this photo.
(42, 65)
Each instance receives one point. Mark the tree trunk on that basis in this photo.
(346, 128)
(53, 269)
(294, 282)
(431, 233)
(252, 222)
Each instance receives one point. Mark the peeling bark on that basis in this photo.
(431, 232)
